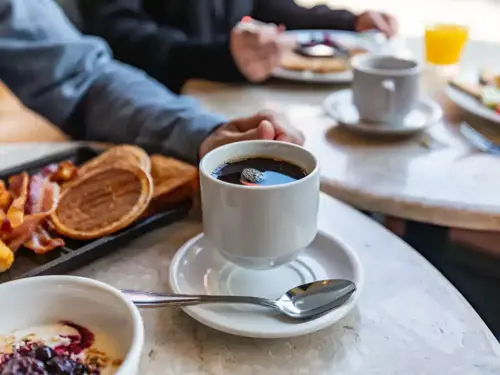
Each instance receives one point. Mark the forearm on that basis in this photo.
(165, 53)
(57, 72)
(294, 16)
(125, 106)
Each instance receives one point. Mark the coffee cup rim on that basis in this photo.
(357, 61)
(209, 175)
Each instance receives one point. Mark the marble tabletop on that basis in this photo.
(436, 178)
(409, 320)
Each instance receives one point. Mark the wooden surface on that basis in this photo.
(20, 124)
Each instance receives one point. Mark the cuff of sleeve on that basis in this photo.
(347, 21)
(188, 139)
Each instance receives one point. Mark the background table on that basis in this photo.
(409, 320)
(435, 178)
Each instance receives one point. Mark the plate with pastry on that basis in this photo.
(324, 55)
(61, 212)
(481, 98)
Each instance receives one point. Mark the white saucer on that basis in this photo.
(197, 268)
(340, 107)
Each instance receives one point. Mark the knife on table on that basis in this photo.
(478, 140)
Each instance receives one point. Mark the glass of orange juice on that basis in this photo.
(444, 43)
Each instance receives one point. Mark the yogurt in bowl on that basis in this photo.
(55, 325)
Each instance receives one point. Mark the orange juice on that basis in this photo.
(444, 43)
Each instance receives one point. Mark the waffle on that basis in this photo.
(124, 154)
(174, 181)
(102, 202)
(295, 62)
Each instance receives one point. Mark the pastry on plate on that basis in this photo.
(102, 202)
(322, 65)
(473, 89)
(126, 154)
(489, 78)
(174, 181)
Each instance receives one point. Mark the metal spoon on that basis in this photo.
(302, 302)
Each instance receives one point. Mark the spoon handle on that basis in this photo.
(147, 299)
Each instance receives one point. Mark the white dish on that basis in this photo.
(339, 106)
(471, 104)
(349, 39)
(197, 268)
(47, 300)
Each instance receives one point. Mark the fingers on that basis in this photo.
(381, 24)
(258, 50)
(263, 131)
(283, 131)
(385, 23)
(262, 126)
(393, 24)
(261, 58)
(287, 42)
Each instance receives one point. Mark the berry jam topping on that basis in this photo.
(79, 343)
(33, 358)
(19, 364)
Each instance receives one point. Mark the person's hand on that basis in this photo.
(258, 52)
(382, 22)
(264, 125)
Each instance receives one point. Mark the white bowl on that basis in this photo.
(97, 306)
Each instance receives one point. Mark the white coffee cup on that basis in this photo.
(260, 227)
(385, 88)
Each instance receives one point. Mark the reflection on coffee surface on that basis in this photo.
(259, 171)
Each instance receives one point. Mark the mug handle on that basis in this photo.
(390, 88)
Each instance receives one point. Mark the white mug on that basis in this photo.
(385, 88)
(259, 227)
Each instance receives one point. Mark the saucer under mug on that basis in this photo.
(340, 107)
(197, 268)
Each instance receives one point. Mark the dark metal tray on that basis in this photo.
(79, 253)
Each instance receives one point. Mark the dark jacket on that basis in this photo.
(175, 40)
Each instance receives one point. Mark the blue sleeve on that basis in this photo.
(53, 69)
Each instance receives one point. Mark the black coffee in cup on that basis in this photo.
(259, 171)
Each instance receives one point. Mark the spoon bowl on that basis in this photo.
(316, 298)
(306, 301)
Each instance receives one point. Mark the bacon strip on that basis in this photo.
(66, 171)
(43, 197)
(25, 207)
(18, 186)
(41, 242)
(5, 197)
(60, 173)
(5, 227)
(23, 232)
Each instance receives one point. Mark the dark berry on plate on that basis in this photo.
(43, 353)
(23, 365)
(60, 366)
